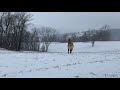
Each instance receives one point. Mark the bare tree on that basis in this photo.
(12, 28)
(104, 33)
(1, 28)
(47, 34)
(22, 19)
(34, 41)
(4, 25)
(26, 41)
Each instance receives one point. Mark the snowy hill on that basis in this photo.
(86, 61)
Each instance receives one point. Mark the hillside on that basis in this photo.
(101, 61)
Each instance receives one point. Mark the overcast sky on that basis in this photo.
(76, 21)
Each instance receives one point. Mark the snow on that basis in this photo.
(100, 61)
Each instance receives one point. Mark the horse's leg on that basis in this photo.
(68, 50)
(92, 45)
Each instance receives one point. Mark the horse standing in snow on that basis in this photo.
(70, 46)
(93, 41)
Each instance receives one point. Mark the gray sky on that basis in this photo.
(76, 21)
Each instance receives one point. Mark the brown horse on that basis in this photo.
(70, 46)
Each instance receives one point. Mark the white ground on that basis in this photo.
(100, 61)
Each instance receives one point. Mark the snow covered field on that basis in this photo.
(100, 61)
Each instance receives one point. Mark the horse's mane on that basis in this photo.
(69, 41)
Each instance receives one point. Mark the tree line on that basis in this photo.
(12, 28)
(102, 34)
(14, 33)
